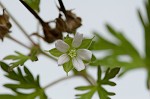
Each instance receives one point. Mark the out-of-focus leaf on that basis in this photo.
(34, 4)
(146, 27)
(7, 96)
(86, 43)
(20, 59)
(34, 52)
(26, 82)
(116, 49)
(112, 73)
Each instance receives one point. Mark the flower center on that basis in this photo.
(72, 53)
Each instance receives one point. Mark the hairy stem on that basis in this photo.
(17, 23)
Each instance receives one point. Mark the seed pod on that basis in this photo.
(5, 25)
(73, 22)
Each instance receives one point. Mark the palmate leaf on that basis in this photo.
(102, 92)
(87, 95)
(110, 73)
(26, 82)
(19, 59)
(122, 47)
(146, 27)
(34, 4)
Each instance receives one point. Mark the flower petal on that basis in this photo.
(63, 59)
(78, 64)
(61, 46)
(84, 54)
(77, 40)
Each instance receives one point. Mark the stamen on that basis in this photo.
(72, 53)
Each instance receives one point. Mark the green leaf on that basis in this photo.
(12, 75)
(29, 75)
(55, 52)
(86, 43)
(68, 66)
(7, 96)
(145, 21)
(102, 44)
(109, 74)
(84, 88)
(68, 40)
(33, 53)
(112, 73)
(24, 80)
(19, 59)
(34, 4)
(99, 74)
(87, 95)
(103, 94)
(115, 49)
(93, 58)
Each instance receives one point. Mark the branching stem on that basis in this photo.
(17, 23)
(86, 76)
(59, 80)
(15, 40)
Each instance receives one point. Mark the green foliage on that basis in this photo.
(122, 47)
(19, 59)
(68, 40)
(102, 92)
(88, 95)
(33, 53)
(68, 66)
(55, 52)
(34, 4)
(26, 82)
(146, 26)
(86, 44)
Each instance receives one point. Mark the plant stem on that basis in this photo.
(20, 43)
(17, 23)
(59, 80)
(47, 55)
(88, 78)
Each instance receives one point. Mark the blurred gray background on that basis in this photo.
(122, 14)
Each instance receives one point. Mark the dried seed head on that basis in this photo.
(73, 22)
(5, 25)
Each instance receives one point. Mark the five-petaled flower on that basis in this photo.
(73, 52)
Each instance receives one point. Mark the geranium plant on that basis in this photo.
(72, 50)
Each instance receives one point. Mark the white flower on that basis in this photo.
(73, 53)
